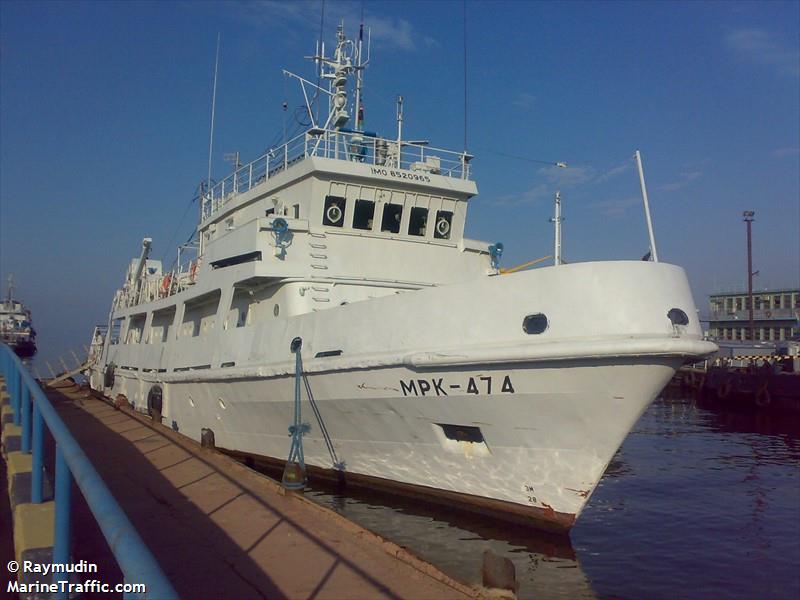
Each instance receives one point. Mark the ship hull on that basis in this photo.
(494, 417)
(25, 349)
(534, 452)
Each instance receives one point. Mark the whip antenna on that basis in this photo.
(464, 5)
(213, 110)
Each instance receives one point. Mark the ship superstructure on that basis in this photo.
(16, 327)
(432, 372)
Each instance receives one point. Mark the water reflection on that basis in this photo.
(711, 507)
(697, 503)
(546, 566)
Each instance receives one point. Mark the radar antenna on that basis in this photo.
(346, 60)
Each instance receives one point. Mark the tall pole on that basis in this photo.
(653, 252)
(557, 221)
(748, 218)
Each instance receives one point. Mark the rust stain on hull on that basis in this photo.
(544, 519)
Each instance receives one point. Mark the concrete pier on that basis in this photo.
(221, 530)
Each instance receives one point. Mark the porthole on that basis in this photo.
(535, 324)
(276, 310)
(221, 403)
(678, 317)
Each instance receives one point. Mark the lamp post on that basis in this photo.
(749, 218)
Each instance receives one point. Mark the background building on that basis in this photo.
(776, 315)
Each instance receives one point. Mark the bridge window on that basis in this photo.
(363, 214)
(418, 221)
(392, 213)
(334, 211)
(444, 221)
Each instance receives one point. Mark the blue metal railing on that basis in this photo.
(32, 410)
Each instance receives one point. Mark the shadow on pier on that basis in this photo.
(220, 530)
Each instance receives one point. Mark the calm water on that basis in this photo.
(696, 504)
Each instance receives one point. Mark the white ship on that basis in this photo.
(16, 328)
(432, 372)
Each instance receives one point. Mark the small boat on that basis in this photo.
(16, 328)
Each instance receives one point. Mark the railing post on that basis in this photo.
(38, 453)
(10, 382)
(25, 400)
(63, 533)
(16, 379)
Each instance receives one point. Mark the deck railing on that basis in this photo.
(353, 146)
(154, 287)
(32, 411)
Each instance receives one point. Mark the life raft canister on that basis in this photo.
(165, 284)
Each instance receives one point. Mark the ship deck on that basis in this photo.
(219, 529)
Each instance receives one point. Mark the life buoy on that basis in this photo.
(443, 227)
(763, 398)
(334, 214)
(165, 284)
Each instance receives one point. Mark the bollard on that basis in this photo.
(498, 572)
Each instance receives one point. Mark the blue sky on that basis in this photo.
(105, 107)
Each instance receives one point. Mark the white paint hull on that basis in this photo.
(557, 411)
